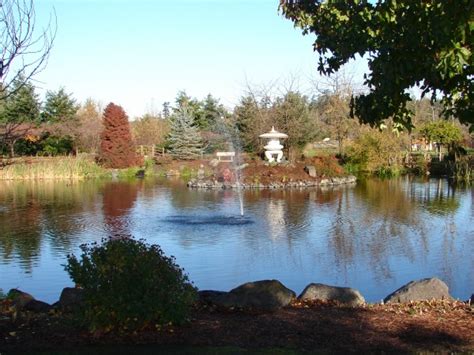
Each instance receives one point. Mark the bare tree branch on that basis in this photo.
(24, 52)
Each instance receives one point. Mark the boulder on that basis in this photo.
(420, 290)
(344, 295)
(24, 301)
(38, 306)
(310, 170)
(19, 298)
(70, 298)
(265, 295)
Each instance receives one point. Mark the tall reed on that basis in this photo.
(53, 168)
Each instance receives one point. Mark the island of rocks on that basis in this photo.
(260, 175)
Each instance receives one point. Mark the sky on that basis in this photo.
(141, 53)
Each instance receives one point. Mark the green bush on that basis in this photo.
(53, 146)
(129, 284)
(377, 152)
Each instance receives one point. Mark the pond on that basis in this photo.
(374, 236)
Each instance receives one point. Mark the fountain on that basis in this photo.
(233, 142)
(273, 147)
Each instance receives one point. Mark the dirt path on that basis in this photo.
(424, 326)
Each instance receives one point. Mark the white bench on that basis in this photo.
(225, 156)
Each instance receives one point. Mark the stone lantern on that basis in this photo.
(273, 149)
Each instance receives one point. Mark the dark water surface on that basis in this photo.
(374, 236)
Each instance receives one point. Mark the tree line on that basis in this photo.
(190, 127)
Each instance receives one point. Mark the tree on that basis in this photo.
(443, 133)
(251, 119)
(291, 115)
(60, 124)
(191, 105)
(19, 112)
(149, 130)
(406, 43)
(24, 52)
(89, 127)
(59, 107)
(212, 113)
(116, 146)
(184, 140)
(333, 104)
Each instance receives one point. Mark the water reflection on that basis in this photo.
(374, 236)
(33, 212)
(118, 199)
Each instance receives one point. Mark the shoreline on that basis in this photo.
(327, 182)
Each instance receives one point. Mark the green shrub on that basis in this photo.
(377, 152)
(129, 284)
(53, 146)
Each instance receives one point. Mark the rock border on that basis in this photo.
(215, 184)
(262, 295)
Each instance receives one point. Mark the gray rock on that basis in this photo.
(310, 170)
(351, 179)
(71, 298)
(420, 290)
(19, 298)
(471, 300)
(214, 163)
(344, 295)
(265, 295)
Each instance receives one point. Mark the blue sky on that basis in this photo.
(141, 53)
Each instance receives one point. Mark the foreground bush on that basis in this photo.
(130, 284)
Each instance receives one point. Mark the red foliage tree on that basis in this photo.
(116, 145)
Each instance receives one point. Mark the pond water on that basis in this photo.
(374, 236)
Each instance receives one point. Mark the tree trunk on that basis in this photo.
(339, 141)
(12, 149)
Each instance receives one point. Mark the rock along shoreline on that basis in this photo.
(263, 295)
(326, 182)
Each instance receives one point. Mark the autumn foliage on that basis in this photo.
(116, 145)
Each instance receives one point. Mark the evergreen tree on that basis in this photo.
(184, 140)
(19, 112)
(166, 113)
(291, 114)
(116, 146)
(212, 112)
(59, 107)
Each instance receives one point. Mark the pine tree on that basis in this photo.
(18, 113)
(116, 145)
(59, 107)
(184, 139)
